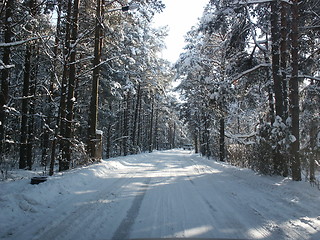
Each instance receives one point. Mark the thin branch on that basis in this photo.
(309, 77)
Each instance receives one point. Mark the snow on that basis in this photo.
(99, 132)
(173, 194)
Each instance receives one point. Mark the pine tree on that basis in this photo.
(5, 73)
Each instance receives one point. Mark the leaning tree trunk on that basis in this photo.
(294, 95)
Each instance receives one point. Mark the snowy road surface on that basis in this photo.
(163, 194)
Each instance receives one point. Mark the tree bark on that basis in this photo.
(284, 56)
(151, 125)
(196, 142)
(64, 85)
(313, 138)
(139, 123)
(135, 118)
(66, 153)
(5, 75)
(55, 51)
(277, 79)
(32, 108)
(294, 95)
(109, 132)
(275, 38)
(93, 116)
(222, 140)
(25, 110)
(155, 137)
(126, 123)
(283, 65)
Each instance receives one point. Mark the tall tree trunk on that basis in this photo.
(126, 124)
(61, 120)
(283, 65)
(139, 123)
(222, 140)
(275, 51)
(277, 80)
(66, 153)
(109, 128)
(155, 137)
(284, 56)
(196, 141)
(93, 116)
(135, 118)
(271, 115)
(32, 108)
(313, 139)
(294, 95)
(150, 144)
(207, 136)
(53, 76)
(172, 133)
(27, 102)
(5, 74)
(25, 110)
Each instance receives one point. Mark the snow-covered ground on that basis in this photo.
(163, 194)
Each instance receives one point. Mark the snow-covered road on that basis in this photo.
(163, 194)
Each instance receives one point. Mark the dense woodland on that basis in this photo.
(250, 82)
(73, 72)
(82, 80)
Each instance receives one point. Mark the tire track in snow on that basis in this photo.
(124, 228)
(230, 218)
(63, 224)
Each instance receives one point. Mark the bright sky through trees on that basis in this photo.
(180, 16)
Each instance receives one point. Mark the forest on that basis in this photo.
(83, 80)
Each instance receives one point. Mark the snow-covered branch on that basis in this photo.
(18, 43)
(262, 1)
(241, 137)
(253, 34)
(250, 71)
(3, 66)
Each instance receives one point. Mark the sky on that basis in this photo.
(180, 16)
